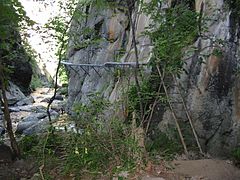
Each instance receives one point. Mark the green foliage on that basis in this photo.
(13, 20)
(234, 5)
(164, 146)
(217, 52)
(148, 90)
(92, 111)
(63, 75)
(35, 82)
(176, 29)
(236, 156)
(100, 147)
(27, 144)
(12, 15)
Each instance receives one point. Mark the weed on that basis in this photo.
(35, 82)
(164, 146)
(102, 148)
(236, 156)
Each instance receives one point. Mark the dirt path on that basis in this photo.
(211, 169)
(205, 169)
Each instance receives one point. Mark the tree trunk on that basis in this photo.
(7, 117)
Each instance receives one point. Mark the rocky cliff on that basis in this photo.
(211, 85)
(18, 61)
(111, 25)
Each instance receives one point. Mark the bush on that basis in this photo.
(100, 148)
(236, 156)
(164, 146)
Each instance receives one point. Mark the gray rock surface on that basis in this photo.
(211, 89)
(35, 123)
(26, 123)
(33, 108)
(39, 127)
(112, 25)
(27, 101)
(14, 94)
(14, 109)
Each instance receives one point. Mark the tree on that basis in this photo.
(12, 20)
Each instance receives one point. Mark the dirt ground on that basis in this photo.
(211, 169)
(204, 169)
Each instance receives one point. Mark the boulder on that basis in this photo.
(14, 94)
(26, 123)
(59, 97)
(33, 108)
(22, 75)
(41, 115)
(47, 100)
(27, 101)
(40, 127)
(14, 109)
(58, 105)
(35, 123)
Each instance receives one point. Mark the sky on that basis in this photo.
(41, 12)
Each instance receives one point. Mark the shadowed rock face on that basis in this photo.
(211, 88)
(20, 65)
(6, 155)
(22, 74)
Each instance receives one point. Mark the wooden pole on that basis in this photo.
(173, 113)
(7, 117)
(188, 116)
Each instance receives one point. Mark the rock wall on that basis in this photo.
(211, 87)
(112, 26)
(19, 63)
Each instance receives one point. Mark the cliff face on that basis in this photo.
(211, 87)
(112, 27)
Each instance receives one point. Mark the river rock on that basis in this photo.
(47, 100)
(33, 108)
(58, 105)
(35, 123)
(14, 109)
(59, 97)
(40, 127)
(41, 115)
(27, 101)
(26, 123)
(14, 94)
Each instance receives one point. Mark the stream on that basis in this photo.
(29, 113)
